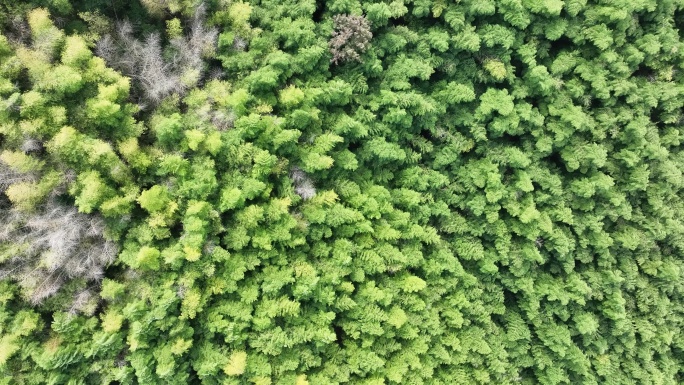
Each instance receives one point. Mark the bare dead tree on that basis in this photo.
(10, 176)
(84, 301)
(142, 61)
(303, 185)
(19, 32)
(239, 44)
(43, 250)
(199, 43)
(31, 146)
(221, 119)
(350, 38)
(160, 71)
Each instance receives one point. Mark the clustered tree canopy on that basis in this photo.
(298, 192)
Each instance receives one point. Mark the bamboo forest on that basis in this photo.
(328, 192)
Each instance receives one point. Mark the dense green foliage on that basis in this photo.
(470, 192)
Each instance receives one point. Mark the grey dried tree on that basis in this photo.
(45, 248)
(351, 37)
(10, 176)
(303, 185)
(160, 71)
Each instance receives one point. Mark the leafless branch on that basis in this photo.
(53, 245)
(158, 71)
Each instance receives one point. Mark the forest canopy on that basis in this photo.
(299, 192)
